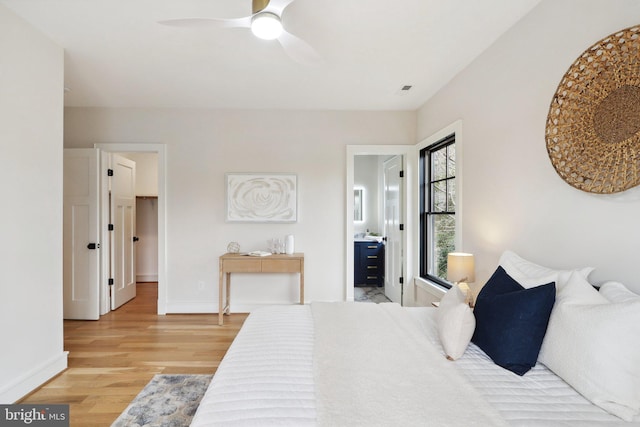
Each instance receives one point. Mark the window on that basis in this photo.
(437, 208)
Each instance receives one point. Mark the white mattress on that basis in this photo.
(266, 379)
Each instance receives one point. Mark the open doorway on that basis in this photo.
(146, 221)
(368, 195)
(155, 156)
(146, 215)
(370, 238)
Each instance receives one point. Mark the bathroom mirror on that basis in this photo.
(357, 204)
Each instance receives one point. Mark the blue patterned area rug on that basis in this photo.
(167, 401)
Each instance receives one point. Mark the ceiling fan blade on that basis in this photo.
(277, 6)
(244, 22)
(299, 50)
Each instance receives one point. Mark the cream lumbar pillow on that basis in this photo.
(529, 274)
(456, 323)
(594, 345)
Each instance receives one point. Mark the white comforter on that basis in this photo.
(267, 379)
(373, 367)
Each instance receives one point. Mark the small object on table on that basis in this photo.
(259, 253)
(233, 247)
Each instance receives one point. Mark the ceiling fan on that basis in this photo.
(265, 23)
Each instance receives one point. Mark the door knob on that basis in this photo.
(93, 245)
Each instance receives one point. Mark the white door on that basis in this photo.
(392, 222)
(81, 244)
(123, 218)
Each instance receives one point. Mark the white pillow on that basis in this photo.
(456, 323)
(594, 346)
(617, 292)
(529, 274)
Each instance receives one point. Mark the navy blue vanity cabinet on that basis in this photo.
(368, 263)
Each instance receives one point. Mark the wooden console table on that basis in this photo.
(236, 263)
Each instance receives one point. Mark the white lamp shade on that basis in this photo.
(460, 267)
(266, 26)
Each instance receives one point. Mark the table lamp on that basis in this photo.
(461, 271)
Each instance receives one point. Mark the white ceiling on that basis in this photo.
(117, 55)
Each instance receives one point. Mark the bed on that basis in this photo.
(351, 364)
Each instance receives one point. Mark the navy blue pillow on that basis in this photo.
(511, 321)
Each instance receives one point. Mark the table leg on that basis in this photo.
(302, 283)
(220, 297)
(228, 311)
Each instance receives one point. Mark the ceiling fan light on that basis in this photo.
(266, 26)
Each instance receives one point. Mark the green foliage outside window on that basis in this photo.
(445, 233)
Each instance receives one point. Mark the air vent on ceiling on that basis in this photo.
(403, 90)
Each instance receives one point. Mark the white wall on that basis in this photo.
(31, 98)
(513, 198)
(202, 145)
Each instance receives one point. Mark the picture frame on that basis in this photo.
(261, 197)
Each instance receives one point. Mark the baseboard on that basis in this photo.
(191, 307)
(33, 379)
(248, 308)
(147, 278)
(198, 307)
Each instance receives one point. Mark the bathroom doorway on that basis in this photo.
(378, 183)
(368, 220)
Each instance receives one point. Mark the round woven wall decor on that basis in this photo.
(593, 126)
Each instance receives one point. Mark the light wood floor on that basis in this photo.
(112, 359)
